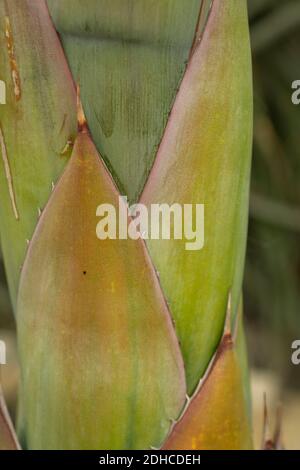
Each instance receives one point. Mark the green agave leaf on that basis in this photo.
(129, 57)
(36, 123)
(204, 158)
(98, 350)
(8, 439)
(216, 417)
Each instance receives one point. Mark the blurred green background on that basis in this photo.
(272, 276)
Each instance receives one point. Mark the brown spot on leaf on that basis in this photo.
(12, 60)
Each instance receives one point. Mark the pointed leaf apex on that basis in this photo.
(204, 12)
(228, 318)
(93, 314)
(81, 119)
(269, 442)
(215, 417)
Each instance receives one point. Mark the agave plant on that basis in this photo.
(126, 344)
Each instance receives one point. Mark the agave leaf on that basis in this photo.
(36, 123)
(129, 57)
(97, 345)
(8, 439)
(204, 157)
(216, 417)
(272, 442)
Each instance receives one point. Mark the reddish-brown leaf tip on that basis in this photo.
(81, 119)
